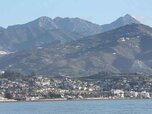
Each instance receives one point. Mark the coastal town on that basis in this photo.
(16, 87)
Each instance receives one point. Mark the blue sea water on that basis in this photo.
(79, 107)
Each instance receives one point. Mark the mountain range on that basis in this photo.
(46, 30)
(75, 47)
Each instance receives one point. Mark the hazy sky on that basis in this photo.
(98, 11)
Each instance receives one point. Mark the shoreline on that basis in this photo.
(85, 99)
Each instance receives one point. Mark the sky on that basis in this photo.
(98, 11)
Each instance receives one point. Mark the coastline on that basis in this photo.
(61, 99)
(7, 100)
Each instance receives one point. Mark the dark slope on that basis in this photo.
(126, 49)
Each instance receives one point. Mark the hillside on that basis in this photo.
(127, 49)
(45, 30)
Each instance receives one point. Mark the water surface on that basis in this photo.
(79, 107)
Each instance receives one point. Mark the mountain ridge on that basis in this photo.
(45, 30)
(123, 50)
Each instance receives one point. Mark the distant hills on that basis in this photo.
(75, 47)
(45, 30)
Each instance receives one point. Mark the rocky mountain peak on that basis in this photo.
(128, 16)
(122, 21)
(44, 19)
(44, 22)
(127, 19)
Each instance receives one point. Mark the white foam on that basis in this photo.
(3, 53)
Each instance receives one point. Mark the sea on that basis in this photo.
(78, 107)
